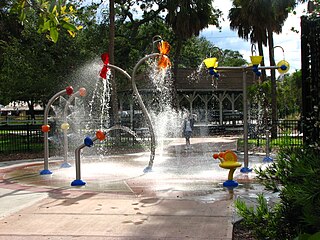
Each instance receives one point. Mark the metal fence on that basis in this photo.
(29, 137)
(310, 59)
(288, 133)
(20, 138)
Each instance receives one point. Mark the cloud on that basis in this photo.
(290, 41)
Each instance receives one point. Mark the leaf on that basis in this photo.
(52, 6)
(63, 9)
(303, 236)
(72, 33)
(22, 16)
(46, 25)
(315, 236)
(54, 34)
(68, 26)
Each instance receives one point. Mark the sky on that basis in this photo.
(288, 40)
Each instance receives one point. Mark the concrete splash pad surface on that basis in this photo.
(182, 198)
(177, 172)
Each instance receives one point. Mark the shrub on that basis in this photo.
(296, 176)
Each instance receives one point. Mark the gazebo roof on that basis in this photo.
(231, 80)
(190, 80)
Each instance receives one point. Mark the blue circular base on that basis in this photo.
(268, 159)
(45, 172)
(65, 165)
(147, 169)
(78, 182)
(230, 183)
(245, 170)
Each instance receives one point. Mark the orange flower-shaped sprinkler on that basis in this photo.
(228, 160)
(164, 49)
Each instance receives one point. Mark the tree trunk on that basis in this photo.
(114, 94)
(273, 87)
(31, 109)
(175, 100)
(263, 71)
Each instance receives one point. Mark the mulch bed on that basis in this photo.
(241, 232)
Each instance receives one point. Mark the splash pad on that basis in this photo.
(200, 178)
(162, 62)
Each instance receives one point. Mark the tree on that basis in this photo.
(271, 17)
(9, 27)
(33, 68)
(196, 49)
(243, 18)
(114, 95)
(53, 16)
(289, 99)
(187, 18)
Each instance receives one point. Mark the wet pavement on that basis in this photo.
(182, 198)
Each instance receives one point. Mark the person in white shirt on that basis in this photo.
(188, 128)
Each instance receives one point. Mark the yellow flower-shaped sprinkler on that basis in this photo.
(228, 160)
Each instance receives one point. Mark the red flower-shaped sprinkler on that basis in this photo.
(105, 69)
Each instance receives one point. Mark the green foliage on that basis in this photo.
(188, 18)
(196, 49)
(289, 99)
(296, 176)
(261, 220)
(306, 236)
(52, 15)
(289, 95)
(33, 69)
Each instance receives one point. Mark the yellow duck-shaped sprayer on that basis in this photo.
(228, 160)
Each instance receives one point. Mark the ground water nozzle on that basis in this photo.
(228, 160)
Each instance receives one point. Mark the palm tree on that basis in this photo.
(259, 19)
(187, 18)
(244, 18)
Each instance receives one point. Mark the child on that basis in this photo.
(187, 129)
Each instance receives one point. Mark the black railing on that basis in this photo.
(29, 138)
(20, 138)
(310, 59)
(288, 133)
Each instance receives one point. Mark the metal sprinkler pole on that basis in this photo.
(245, 121)
(46, 135)
(244, 69)
(65, 131)
(140, 101)
(144, 110)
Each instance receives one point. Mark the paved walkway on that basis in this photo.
(142, 207)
